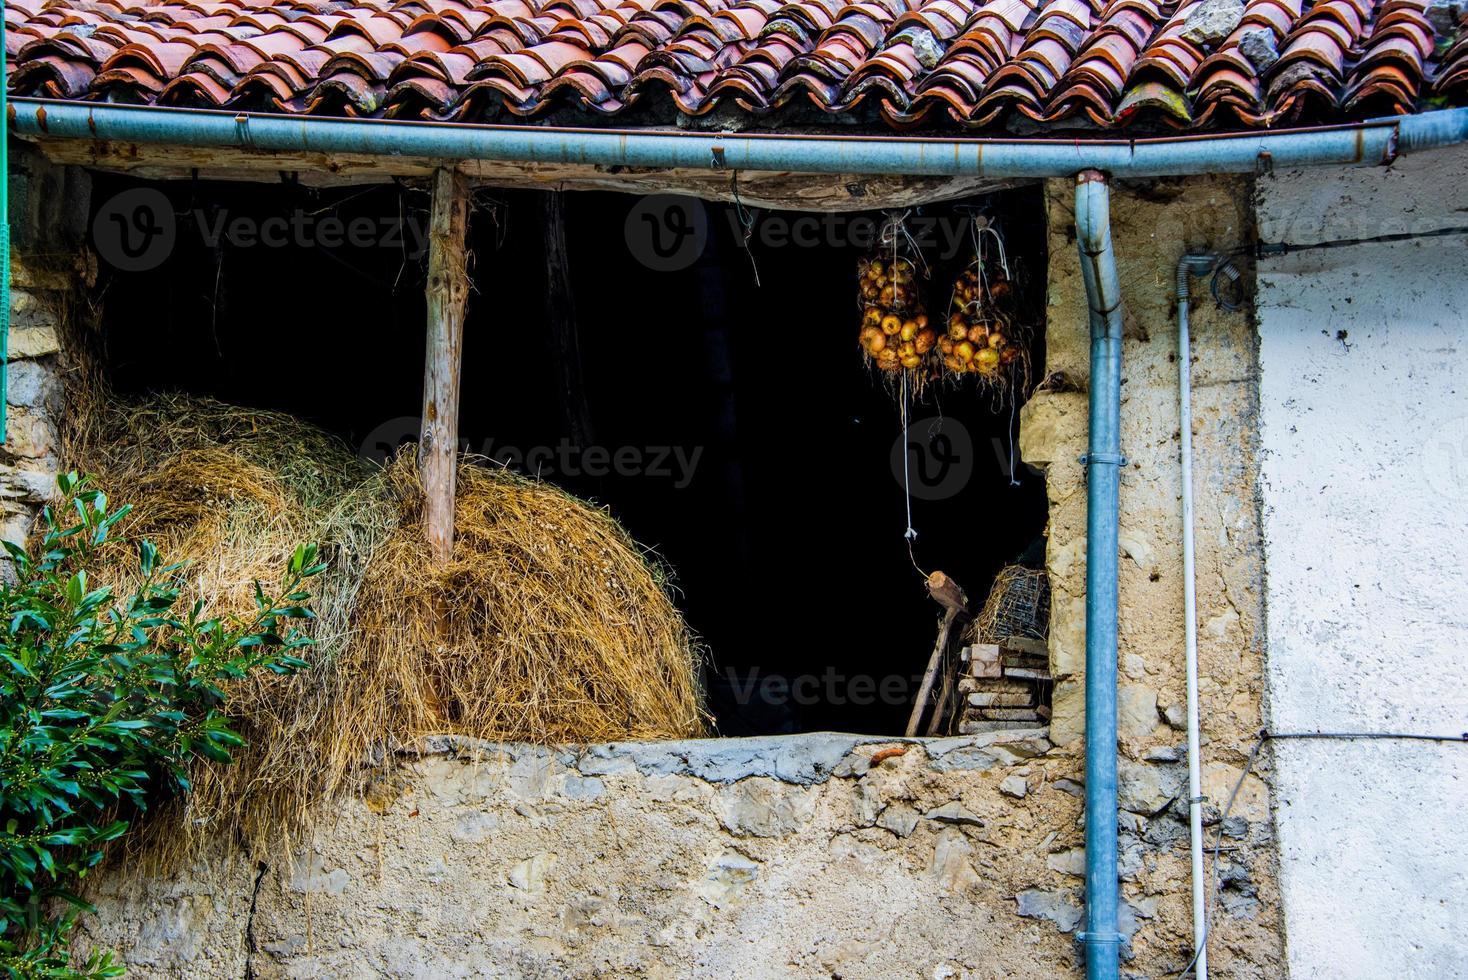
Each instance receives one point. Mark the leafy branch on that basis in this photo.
(103, 701)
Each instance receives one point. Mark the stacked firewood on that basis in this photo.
(1003, 685)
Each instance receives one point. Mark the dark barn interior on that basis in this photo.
(715, 401)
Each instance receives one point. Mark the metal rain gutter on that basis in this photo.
(1103, 462)
(1374, 142)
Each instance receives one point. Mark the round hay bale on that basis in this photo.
(548, 624)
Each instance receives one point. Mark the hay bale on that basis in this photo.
(233, 491)
(549, 624)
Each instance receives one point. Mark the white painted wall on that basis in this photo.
(1364, 488)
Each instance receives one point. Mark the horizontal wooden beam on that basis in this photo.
(805, 192)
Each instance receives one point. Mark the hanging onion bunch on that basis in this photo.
(895, 332)
(982, 335)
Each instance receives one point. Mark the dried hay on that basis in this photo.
(548, 625)
(1018, 605)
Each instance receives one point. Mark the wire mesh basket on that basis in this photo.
(1018, 605)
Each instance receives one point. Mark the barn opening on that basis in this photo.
(704, 387)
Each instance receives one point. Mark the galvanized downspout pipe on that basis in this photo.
(1103, 462)
(1187, 266)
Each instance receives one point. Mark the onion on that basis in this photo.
(909, 329)
(873, 340)
(891, 324)
(964, 349)
(924, 341)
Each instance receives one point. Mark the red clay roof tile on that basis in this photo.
(976, 63)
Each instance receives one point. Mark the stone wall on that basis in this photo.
(1365, 486)
(50, 270)
(1153, 225)
(817, 855)
(30, 457)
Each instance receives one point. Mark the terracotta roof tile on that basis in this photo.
(1059, 64)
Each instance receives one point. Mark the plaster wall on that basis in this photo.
(1365, 490)
(1153, 224)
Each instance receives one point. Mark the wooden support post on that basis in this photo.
(947, 594)
(448, 292)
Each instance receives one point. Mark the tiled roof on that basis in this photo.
(1046, 64)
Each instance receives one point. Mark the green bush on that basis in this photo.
(103, 699)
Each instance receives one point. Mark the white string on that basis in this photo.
(1012, 481)
(1003, 258)
(909, 534)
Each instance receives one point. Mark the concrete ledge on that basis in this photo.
(800, 760)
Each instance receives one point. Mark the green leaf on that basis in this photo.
(112, 831)
(147, 557)
(20, 668)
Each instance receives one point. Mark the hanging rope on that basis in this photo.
(1012, 481)
(910, 535)
(746, 223)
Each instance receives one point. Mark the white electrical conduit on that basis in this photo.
(1189, 265)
